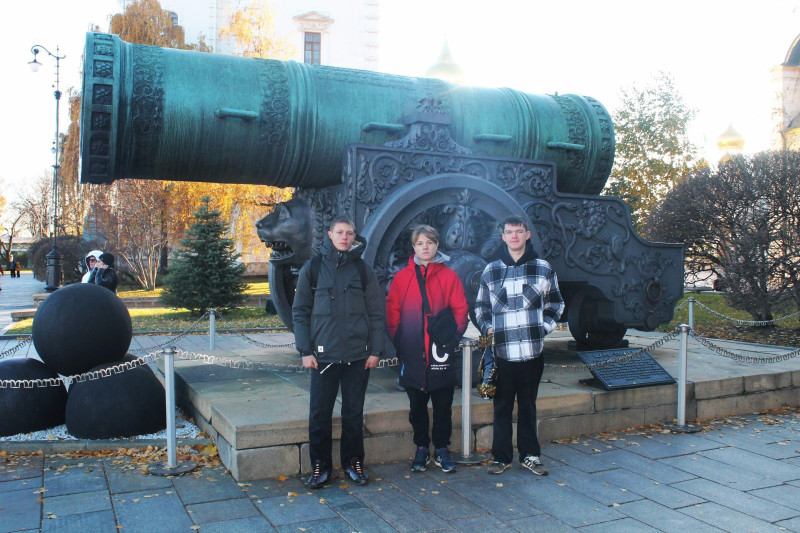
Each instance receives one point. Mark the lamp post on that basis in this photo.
(54, 276)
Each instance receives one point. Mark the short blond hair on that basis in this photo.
(424, 229)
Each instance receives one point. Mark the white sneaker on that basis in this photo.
(532, 463)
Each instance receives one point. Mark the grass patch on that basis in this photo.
(255, 285)
(179, 320)
(707, 324)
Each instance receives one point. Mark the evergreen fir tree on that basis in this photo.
(205, 274)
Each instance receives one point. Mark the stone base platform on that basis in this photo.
(259, 419)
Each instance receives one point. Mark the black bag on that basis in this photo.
(487, 373)
(442, 328)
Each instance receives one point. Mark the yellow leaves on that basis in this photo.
(282, 478)
(40, 491)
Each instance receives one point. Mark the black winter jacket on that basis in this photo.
(339, 322)
(105, 277)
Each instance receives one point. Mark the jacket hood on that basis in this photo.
(529, 255)
(94, 253)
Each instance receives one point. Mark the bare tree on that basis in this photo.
(741, 222)
(34, 205)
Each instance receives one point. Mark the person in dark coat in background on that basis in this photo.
(339, 330)
(104, 275)
(428, 372)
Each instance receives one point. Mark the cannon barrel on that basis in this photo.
(150, 112)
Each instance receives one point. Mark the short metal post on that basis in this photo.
(467, 456)
(691, 312)
(212, 328)
(683, 357)
(171, 467)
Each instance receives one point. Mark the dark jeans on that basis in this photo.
(520, 379)
(442, 400)
(353, 378)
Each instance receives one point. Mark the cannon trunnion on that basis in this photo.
(388, 151)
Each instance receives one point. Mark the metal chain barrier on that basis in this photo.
(617, 360)
(15, 349)
(744, 358)
(174, 339)
(745, 322)
(263, 344)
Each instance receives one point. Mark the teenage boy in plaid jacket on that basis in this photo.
(519, 302)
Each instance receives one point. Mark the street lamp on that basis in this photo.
(54, 276)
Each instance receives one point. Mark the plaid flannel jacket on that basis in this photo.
(521, 303)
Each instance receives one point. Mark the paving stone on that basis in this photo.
(786, 495)
(772, 468)
(589, 445)
(437, 497)
(122, 479)
(624, 525)
(763, 444)
(749, 502)
(20, 484)
(81, 502)
(688, 442)
(273, 487)
(294, 509)
(402, 512)
(720, 472)
(650, 447)
(257, 524)
(605, 492)
(500, 500)
(664, 519)
(329, 525)
(362, 518)
(790, 525)
(19, 510)
(727, 519)
(647, 488)
(202, 513)
(580, 460)
(482, 523)
(83, 522)
(210, 485)
(74, 479)
(541, 524)
(21, 467)
(565, 504)
(151, 511)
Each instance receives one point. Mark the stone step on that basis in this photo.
(22, 314)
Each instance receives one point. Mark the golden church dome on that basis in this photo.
(445, 68)
(730, 140)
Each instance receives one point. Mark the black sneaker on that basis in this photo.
(532, 463)
(355, 472)
(498, 467)
(442, 459)
(421, 459)
(319, 476)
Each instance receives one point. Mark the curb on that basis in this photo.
(87, 445)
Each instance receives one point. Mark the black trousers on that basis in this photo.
(442, 400)
(325, 382)
(520, 380)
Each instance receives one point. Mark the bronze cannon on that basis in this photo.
(388, 151)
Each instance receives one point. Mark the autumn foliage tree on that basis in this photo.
(653, 148)
(252, 32)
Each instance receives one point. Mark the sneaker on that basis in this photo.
(421, 459)
(319, 476)
(498, 467)
(442, 459)
(355, 472)
(532, 463)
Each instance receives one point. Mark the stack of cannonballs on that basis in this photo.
(82, 328)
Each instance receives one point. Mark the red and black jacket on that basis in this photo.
(408, 327)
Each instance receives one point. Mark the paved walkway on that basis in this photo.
(741, 474)
(17, 293)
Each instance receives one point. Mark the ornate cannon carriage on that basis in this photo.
(388, 151)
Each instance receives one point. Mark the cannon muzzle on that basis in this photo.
(156, 113)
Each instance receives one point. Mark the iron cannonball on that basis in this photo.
(124, 404)
(29, 409)
(81, 326)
